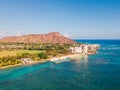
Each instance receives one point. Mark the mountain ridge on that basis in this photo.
(52, 37)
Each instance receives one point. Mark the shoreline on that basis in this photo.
(71, 56)
(62, 58)
(10, 66)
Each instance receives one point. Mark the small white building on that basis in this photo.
(26, 60)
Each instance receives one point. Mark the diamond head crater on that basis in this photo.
(38, 48)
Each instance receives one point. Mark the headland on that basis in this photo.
(39, 48)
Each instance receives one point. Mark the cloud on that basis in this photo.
(3, 33)
(17, 33)
(6, 33)
(67, 35)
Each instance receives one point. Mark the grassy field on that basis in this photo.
(6, 53)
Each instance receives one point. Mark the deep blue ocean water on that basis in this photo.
(95, 72)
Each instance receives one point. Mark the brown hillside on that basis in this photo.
(53, 37)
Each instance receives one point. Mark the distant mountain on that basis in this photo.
(52, 37)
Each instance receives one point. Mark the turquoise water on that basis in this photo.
(95, 72)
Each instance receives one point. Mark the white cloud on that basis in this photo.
(5, 33)
(67, 35)
(16, 33)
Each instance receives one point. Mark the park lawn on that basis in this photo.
(20, 52)
(6, 53)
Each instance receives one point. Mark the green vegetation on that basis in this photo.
(5, 53)
(42, 55)
(12, 53)
(5, 61)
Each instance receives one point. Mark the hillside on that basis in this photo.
(52, 37)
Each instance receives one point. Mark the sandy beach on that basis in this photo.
(62, 58)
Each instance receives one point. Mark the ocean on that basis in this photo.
(95, 72)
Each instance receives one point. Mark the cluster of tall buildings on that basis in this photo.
(84, 48)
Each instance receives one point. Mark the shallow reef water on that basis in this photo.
(95, 72)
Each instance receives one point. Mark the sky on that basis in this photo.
(77, 19)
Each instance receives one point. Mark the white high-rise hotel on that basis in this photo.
(84, 48)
